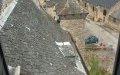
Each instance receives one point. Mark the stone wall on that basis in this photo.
(95, 12)
(110, 20)
(114, 23)
(115, 7)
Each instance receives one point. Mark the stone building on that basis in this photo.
(70, 10)
(66, 9)
(114, 19)
(98, 9)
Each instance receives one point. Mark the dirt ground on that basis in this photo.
(78, 32)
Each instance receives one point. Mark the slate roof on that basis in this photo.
(69, 7)
(116, 14)
(0, 5)
(64, 7)
(55, 1)
(59, 4)
(28, 39)
(103, 3)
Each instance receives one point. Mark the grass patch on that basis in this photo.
(95, 69)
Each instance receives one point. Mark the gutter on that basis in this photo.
(82, 61)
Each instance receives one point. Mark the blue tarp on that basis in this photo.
(91, 39)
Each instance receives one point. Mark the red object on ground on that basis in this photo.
(102, 45)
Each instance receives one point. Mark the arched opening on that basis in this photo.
(93, 8)
(73, 14)
(114, 19)
(93, 18)
(78, 0)
(104, 12)
(85, 5)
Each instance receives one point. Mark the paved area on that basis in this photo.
(109, 37)
(79, 32)
(28, 39)
(105, 34)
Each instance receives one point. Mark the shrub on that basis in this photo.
(95, 69)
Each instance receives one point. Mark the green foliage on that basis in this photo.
(95, 70)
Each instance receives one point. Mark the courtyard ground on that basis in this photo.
(79, 32)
